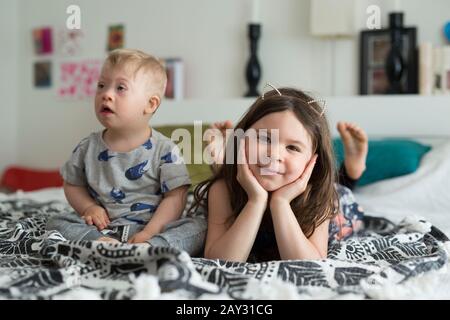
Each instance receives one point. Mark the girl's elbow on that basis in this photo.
(322, 251)
(207, 252)
(323, 254)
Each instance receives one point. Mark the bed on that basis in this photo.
(402, 253)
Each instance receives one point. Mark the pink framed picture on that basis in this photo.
(78, 79)
(42, 38)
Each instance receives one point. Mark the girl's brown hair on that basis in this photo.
(319, 201)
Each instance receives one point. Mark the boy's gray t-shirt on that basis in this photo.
(128, 185)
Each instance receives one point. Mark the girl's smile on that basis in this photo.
(267, 171)
(291, 153)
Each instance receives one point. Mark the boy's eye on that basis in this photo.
(100, 85)
(121, 88)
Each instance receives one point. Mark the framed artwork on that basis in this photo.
(116, 35)
(78, 79)
(69, 42)
(42, 38)
(42, 74)
(374, 48)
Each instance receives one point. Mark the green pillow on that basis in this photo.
(387, 158)
(197, 172)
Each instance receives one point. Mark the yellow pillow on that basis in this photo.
(197, 172)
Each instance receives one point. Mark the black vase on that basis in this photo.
(253, 70)
(395, 63)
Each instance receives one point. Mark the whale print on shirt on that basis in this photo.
(103, 156)
(169, 157)
(136, 220)
(139, 206)
(148, 145)
(117, 195)
(164, 187)
(137, 171)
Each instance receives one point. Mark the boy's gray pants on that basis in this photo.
(186, 234)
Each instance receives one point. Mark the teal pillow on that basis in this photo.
(387, 158)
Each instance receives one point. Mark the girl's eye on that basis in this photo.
(121, 88)
(294, 148)
(100, 86)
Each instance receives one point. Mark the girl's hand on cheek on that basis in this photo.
(246, 178)
(296, 188)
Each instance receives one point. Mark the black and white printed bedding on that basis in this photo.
(39, 264)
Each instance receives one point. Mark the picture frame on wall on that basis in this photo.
(42, 74)
(374, 48)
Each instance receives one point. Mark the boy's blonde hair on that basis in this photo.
(150, 65)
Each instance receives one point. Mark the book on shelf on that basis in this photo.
(426, 69)
(175, 78)
(446, 70)
(434, 69)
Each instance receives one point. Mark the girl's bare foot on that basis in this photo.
(355, 148)
(108, 239)
(217, 152)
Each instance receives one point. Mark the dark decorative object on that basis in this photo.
(388, 59)
(395, 64)
(253, 71)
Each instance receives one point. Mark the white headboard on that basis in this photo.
(381, 116)
(425, 117)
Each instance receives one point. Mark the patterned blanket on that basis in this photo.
(39, 264)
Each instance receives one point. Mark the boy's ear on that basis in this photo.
(153, 104)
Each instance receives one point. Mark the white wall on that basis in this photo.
(210, 36)
(9, 30)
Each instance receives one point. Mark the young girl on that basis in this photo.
(281, 209)
(354, 141)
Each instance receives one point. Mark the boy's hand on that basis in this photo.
(96, 215)
(140, 237)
